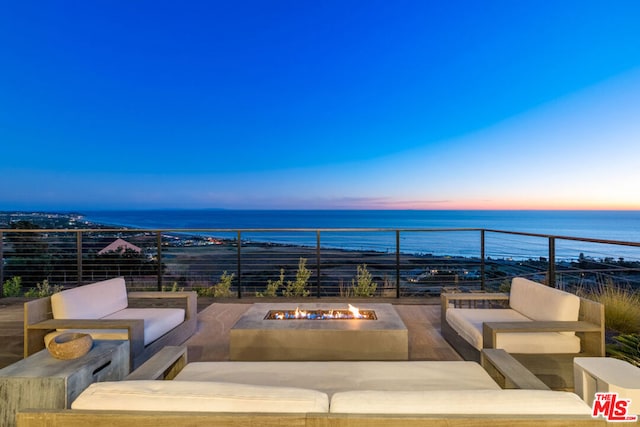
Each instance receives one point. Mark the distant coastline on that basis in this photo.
(608, 225)
(195, 258)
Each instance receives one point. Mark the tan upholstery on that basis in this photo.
(459, 402)
(199, 397)
(108, 300)
(332, 377)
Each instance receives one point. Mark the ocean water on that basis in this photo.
(425, 232)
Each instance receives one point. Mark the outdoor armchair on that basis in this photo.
(543, 327)
(104, 310)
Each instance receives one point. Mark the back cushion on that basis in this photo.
(541, 302)
(92, 301)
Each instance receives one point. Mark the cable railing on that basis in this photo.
(326, 262)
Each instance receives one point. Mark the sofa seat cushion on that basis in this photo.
(92, 301)
(157, 321)
(460, 402)
(199, 397)
(538, 343)
(468, 324)
(331, 377)
(541, 302)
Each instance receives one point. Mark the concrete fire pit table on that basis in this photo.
(255, 338)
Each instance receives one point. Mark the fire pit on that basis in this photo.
(375, 333)
(297, 314)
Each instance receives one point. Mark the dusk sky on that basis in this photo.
(320, 104)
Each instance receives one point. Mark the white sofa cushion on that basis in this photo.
(332, 377)
(468, 324)
(92, 301)
(199, 397)
(541, 302)
(459, 402)
(538, 342)
(157, 321)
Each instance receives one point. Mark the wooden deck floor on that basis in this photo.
(211, 340)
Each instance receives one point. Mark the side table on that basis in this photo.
(42, 381)
(607, 374)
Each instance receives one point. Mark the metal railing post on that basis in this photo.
(552, 262)
(159, 258)
(397, 263)
(318, 263)
(482, 256)
(79, 255)
(239, 271)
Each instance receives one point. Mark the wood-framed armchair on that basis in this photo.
(542, 327)
(106, 311)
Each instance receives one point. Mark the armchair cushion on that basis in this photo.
(157, 321)
(538, 342)
(468, 324)
(539, 302)
(93, 301)
(108, 300)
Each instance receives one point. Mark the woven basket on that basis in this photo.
(70, 345)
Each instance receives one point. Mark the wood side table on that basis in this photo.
(42, 381)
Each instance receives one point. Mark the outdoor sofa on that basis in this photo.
(106, 311)
(168, 392)
(542, 327)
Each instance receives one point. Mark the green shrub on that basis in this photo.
(299, 287)
(42, 290)
(621, 306)
(363, 285)
(223, 288)
(626, 347)
(273, 286)
(344, 290)
(505, 287)
(204, 292)
(13, 287)
(173, 288)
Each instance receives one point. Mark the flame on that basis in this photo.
(355, 311)
(350, 313)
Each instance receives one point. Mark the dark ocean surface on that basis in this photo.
(421, 231)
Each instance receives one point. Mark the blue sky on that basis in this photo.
(333, 104)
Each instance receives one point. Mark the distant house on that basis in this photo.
(120, 245)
